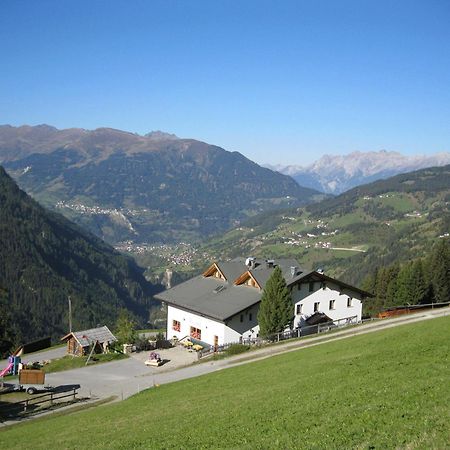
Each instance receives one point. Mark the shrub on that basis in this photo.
(235, 349)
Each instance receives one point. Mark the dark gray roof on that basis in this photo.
(211, 297)
(317, 276)
(218, 299)
(232, 269)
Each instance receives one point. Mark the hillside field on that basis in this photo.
(387, 389)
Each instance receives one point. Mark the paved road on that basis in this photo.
(52, 353)
(127, 377)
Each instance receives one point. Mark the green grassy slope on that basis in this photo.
(383, 390)
(352, 234)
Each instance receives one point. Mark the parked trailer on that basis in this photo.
(32, 380)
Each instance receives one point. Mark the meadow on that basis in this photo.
(388, 389)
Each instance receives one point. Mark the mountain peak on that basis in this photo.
(338, 173)
(158, 135)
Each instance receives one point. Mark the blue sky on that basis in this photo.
(279, 81)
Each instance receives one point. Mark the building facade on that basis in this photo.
(221, 305)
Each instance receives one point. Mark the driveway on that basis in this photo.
(52, 353)
(129, 376)
(122, 378)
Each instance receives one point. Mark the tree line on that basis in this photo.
(418, 281)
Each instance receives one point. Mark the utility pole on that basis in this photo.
(70, 314)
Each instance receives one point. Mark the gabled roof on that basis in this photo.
(86, 337)
(317, 276)
(245, 277)
(232, 269)
(221, 299)
(211, 297)
(318, 317)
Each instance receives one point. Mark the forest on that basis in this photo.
(44, 259)
(419, 281)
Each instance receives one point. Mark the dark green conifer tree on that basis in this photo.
(405, 280)
(439, 270)
(419, 286)
(276, 309)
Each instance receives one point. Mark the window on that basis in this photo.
(250, 317)
(316, 306)
(196, 333)
(311, 286)
(176, 326)
(242, 317)
(349, 302)
(332, 304)
(299, 309)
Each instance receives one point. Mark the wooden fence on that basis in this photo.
(36, 403)
(408, 309)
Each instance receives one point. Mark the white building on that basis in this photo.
(222, 304)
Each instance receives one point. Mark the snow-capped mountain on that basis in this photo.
(336, 174)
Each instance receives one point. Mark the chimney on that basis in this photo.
(270, 263)
(294, 270)
(250, 262)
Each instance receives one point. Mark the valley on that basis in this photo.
(153, 188)
(376, 230)
(175, 205)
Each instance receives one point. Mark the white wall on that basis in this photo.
(234, 328)
(231, 332)
(323, 296)
(209, 327)
(244, 324)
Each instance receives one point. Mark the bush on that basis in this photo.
(236, 349)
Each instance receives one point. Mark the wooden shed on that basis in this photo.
(79, 343)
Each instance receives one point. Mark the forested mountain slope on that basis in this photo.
(44, 258)
(350, 236)
(154, 188)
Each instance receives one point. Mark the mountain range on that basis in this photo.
(45, 258)
(152, 188)
(336, 174)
